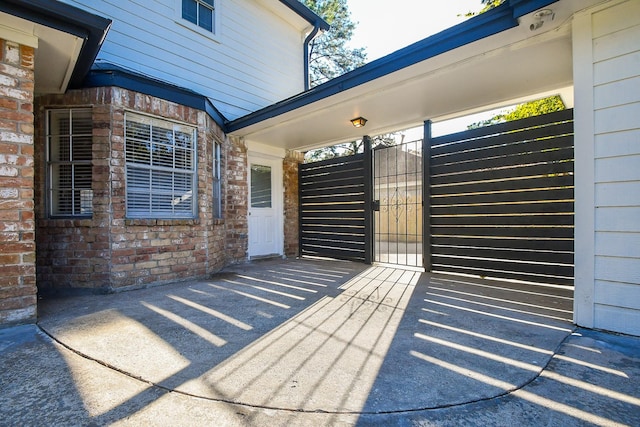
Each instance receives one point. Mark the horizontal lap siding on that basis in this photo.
(616, 67)
(502, 200)
(240, 69)
(332, 208)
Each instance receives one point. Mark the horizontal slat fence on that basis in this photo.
(502, 200)
(332, 208)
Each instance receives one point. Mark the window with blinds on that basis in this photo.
(69, 170)
(160, 168)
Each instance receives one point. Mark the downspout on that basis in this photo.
(312, 35)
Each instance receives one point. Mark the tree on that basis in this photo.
(351, 148)
(535, 108)
(488, 5)
(522, 111)
(329, 57)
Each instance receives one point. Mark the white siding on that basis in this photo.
(615, 103)
(255, 58)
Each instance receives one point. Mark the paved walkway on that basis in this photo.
(313, 343)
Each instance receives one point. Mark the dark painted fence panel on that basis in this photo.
(502, 200)
(332, 208)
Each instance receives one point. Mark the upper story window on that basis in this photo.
(69, 136)
(200, 13)
(160, 168)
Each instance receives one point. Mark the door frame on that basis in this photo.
(274, 159)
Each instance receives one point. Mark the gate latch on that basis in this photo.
(375, 205)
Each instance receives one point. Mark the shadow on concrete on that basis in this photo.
(178, 337)
(314, 342)
(501, 353)
(27, 381)
(462, 340)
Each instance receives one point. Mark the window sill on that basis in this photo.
(161, 222)
(215, 37)
(68, 222)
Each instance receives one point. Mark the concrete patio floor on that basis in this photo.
(318, 343)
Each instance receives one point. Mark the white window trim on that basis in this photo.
(194, 171)
(215, 35)
(49, 174)
(216, 173)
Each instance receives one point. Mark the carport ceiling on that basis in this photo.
(66, 40)
(513, 65)
(56, 52)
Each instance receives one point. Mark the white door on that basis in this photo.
(265, 206)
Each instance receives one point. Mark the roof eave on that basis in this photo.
(492, 22)
(69, 19)
(105, 74)
(306, 13)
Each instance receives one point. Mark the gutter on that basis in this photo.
(479, 27)
(105, 74)
(304, 12)
(312, 35)
(319, 25)
(476, 28)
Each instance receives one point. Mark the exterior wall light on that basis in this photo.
(358, 122)
(541, 16)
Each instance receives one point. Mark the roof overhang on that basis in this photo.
(66, 40)
(489, 61)
(297, 7)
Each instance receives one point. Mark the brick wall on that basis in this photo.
(110, 251)
(17, 246)
(290, 169)
(237, 204)
(75, 253)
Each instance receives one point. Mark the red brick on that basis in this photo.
(18, 302)
(138, 251)
(9, 104)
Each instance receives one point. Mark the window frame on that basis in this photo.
(156, 171)
(85, 206)
(216, 173)
(213, 35)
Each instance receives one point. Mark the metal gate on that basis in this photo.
(502, 200)
(398, 207)
(334, 218)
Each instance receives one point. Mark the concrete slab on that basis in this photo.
(309, 342)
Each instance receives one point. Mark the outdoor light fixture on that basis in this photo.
(358, 122)
(539, 18)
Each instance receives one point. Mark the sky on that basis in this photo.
(384, 26)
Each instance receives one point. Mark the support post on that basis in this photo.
(368, 200)
(299, 211)
(426, 197)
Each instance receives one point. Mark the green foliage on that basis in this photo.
(536, 108)
(522, 111)
(329, 57)
(488, 5)
(349, 148)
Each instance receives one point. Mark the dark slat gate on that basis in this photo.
(333, 218)
(502, 200)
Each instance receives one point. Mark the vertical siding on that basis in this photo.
(254, 60)
(616, 99)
